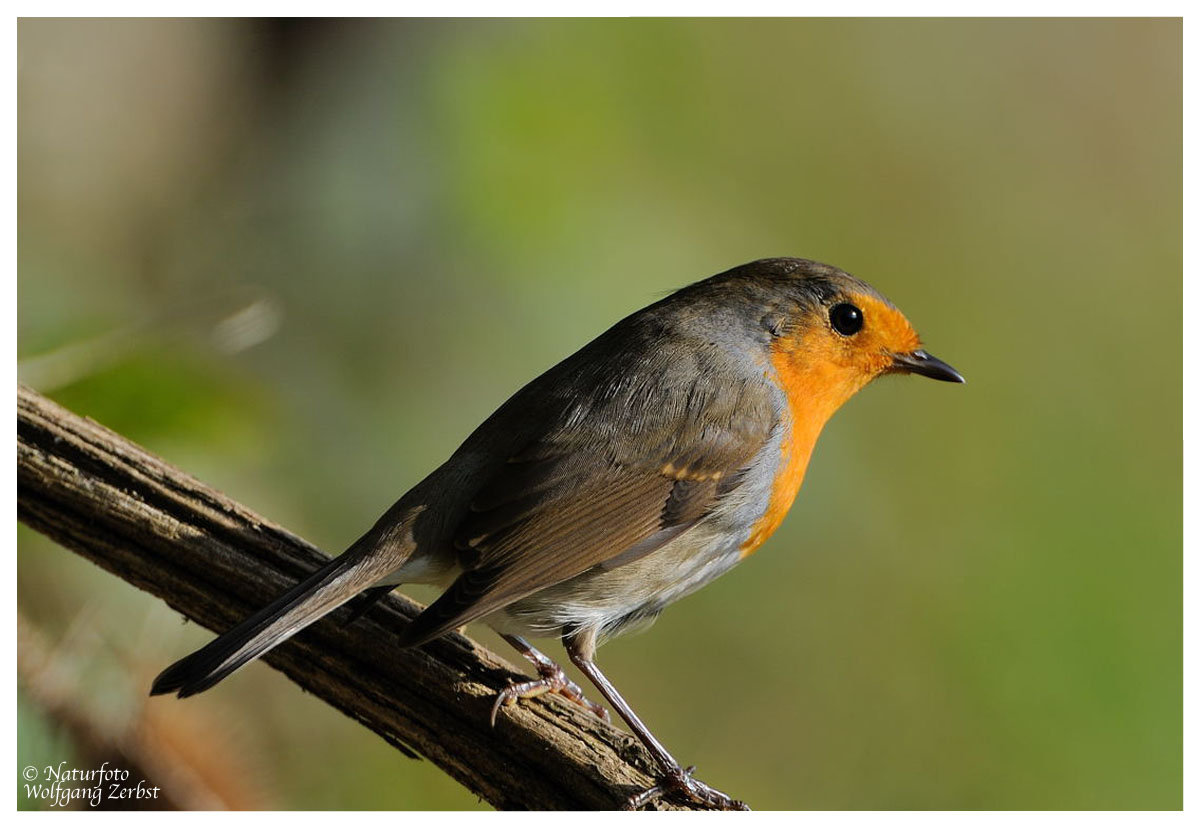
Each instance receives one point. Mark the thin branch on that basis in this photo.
(215, 561)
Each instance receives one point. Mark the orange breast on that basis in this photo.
(815, 387)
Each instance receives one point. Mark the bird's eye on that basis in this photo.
(846, 319)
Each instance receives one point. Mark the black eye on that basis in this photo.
(846, 319)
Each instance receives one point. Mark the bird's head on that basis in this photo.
(830, 334)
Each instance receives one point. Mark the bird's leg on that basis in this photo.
(674, 778)
(553, 680)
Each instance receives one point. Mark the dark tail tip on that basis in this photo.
(177, 678)
(207, 666)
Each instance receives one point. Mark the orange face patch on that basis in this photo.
(819, 369)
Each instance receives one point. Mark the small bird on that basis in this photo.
(627, 476)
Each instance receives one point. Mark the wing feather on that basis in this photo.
(608, 484)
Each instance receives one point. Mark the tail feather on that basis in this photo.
(307, 602)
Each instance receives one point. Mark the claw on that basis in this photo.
(680, 780)
(525, 690)
(551, 682)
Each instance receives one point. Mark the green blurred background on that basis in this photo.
(303, 260)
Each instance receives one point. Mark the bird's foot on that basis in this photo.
(553, 680)
(680, 780)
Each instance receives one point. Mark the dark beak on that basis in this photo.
(919, 362)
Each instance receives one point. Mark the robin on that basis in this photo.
(631, 474)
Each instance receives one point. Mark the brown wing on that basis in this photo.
(577, 498)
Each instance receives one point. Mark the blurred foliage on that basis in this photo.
(977, 600)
